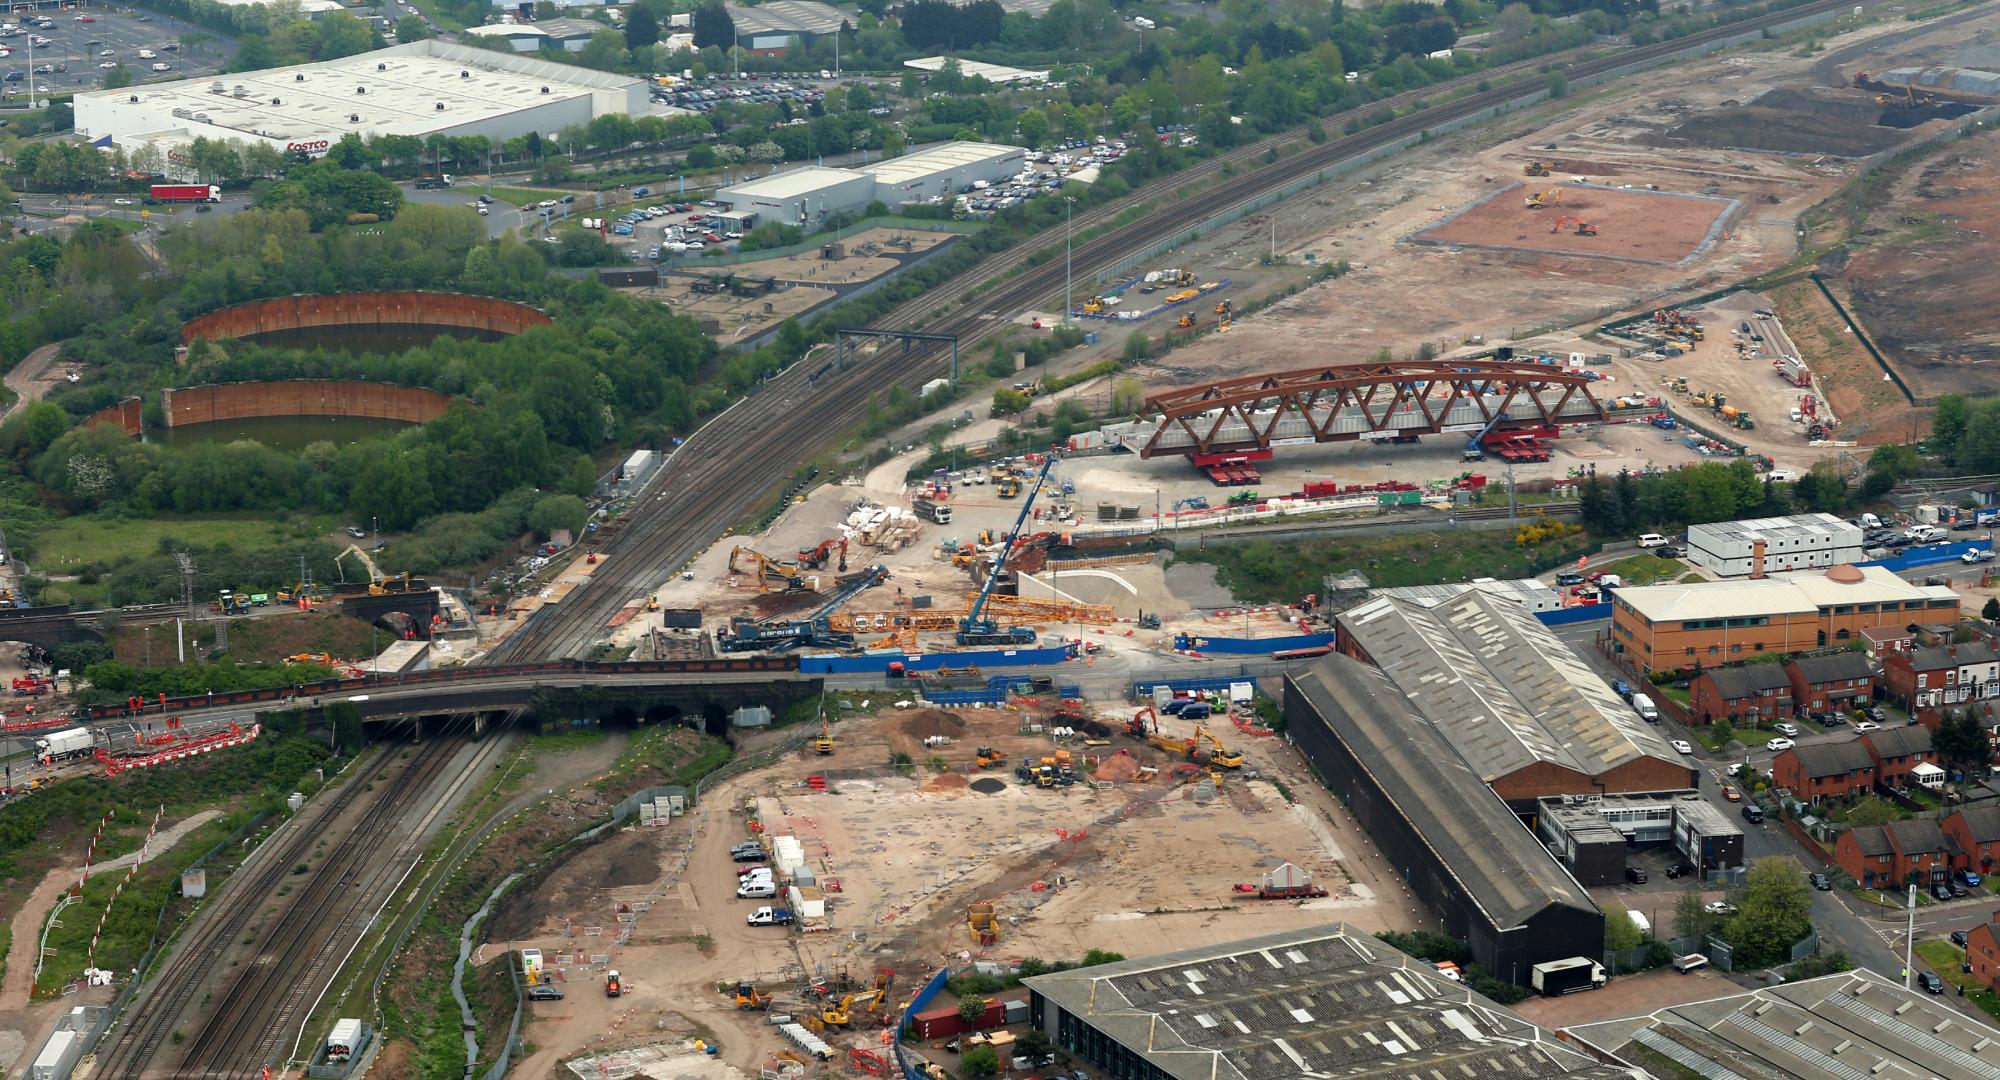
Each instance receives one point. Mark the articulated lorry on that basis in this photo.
(177, 193)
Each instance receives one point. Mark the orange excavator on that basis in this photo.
(1583, 228)
(815, 558)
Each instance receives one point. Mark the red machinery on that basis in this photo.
(234, 736)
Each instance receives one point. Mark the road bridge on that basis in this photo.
(1399, 399)
(633, 689)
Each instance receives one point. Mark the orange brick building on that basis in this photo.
(1709, 623)
(1976, 831)
(1982, 951)
(1885, 856)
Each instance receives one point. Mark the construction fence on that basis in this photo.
(917, 1004)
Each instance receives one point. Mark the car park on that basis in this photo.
(1779, 745)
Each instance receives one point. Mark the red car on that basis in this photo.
(711, 238)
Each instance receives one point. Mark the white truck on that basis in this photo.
(65, 744)
(342, 1040)
(1559, 977)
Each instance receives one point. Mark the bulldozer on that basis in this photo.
(1185, 322)
(653, 603)
(1540, 168)
(987, 757)
(749, 997)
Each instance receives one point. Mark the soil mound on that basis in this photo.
(987, 785)
(1117, 769)
(948, 781)
(925, 723)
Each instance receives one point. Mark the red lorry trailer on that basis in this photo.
(186, 193)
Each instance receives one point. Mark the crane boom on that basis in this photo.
(976, 628)
(1472, 445)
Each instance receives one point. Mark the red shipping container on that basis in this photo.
(943, 1022)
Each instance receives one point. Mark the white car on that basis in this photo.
(163, 67)
(1789, 730)
(1683, 746)
(107, 52)
(1776, 745)
(121, 202)
(1652, 540)
(108, 65)
(1719, 907)
(1867, 725)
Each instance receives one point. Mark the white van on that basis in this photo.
(1644, 924)
(756, 889)
(1925, 534)
(1644, 706)
(147, 54)
(1652, 540)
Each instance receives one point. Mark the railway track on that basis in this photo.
(248, 1015)
(725, 468)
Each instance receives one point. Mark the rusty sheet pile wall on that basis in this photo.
(365, 309)
(300, 397)
(128, 414)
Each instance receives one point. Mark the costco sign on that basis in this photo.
(313, 148)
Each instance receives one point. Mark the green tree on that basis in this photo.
(118, 78)
(341, 34)
(1774, 911)
(1035, 1045)
(971, 1007)
(1979, 448)
(44, 422)
(713, 26)
(1137, 347)
(1620, 932)
(1008, 401)
(1873, 811)
(1961, 740)
(1033, 124)
(410, 28)
(979, 1061)
(1818, 964)
(1991, 612)
(1558, 85)
(1948, 422)
(557, 513)
(1691, 919)
(1094, 957)
(642, 27)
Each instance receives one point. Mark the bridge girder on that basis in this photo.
(1336, 402)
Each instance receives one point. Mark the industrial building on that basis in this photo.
(422, 88)
(1856, 1025)
(1714, 622)
(569, 35)
(769, 28)
(1462, 851)
(1524, 713)
(803, 196)
(1592, 834)
(1329, 1001)
(997, 74)
(806, 196)
(1531, 594)
(944, 170)
(1767, 545)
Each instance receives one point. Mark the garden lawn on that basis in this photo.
(517, 196)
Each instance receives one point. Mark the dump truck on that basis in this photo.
(65, 744)
(1286, 882)
(935, 511)
(1558, 977)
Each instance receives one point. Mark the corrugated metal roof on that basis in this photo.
(1507, 691)
(1320, 1002)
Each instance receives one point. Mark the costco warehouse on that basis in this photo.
(807, 195)
(422, 88)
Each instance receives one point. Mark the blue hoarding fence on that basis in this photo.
(1251, 645)
(966, 697)
(1929, 556)
(917, 1004)
(985, 658)
(1577, 614)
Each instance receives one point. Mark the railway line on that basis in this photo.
(250, 1010)
(722, 471)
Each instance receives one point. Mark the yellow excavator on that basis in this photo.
(824, 744)
(770, 572)
(1541, 199)
(1218, 754)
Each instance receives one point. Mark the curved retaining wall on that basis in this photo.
(301, 397)
(365, 309)
(127, 414)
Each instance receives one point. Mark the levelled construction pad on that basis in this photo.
(1633, 225)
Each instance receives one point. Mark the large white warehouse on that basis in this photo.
(807, 195)
(422, 88)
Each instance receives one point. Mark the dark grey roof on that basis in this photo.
(1330, 1001)
(1832, 759)
(1983, 822)
(1834, 667)
(1509, 693)
(1735, 683)
(1872, 841)
(1949, 656)
(1900, 741)
(1856, 1025)
(1918, 834)
(1509, 874)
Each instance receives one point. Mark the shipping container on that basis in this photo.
(186, 193)
(58, 1056)
(343, 1040)
(945, 1023)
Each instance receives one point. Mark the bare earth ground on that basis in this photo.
(1069, 869)
(1920, 284)
(1640, 225)
(856, 265)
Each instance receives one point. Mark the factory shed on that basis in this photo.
(944, 170)
(1330, 1001)
(1463, 851)
(1523, 711)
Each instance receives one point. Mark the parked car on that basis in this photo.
(356, 532)
(1635, 874)
(1820, 881)
(1719, 907)
(1867, 725)
(1958, 938)
(1788, 730)
(1957, 891)
(1940, 891)
(1779, 745)
(544, 993)
(1672, 551)
(1730, 794)
(1568, 578)
(1971, 879)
